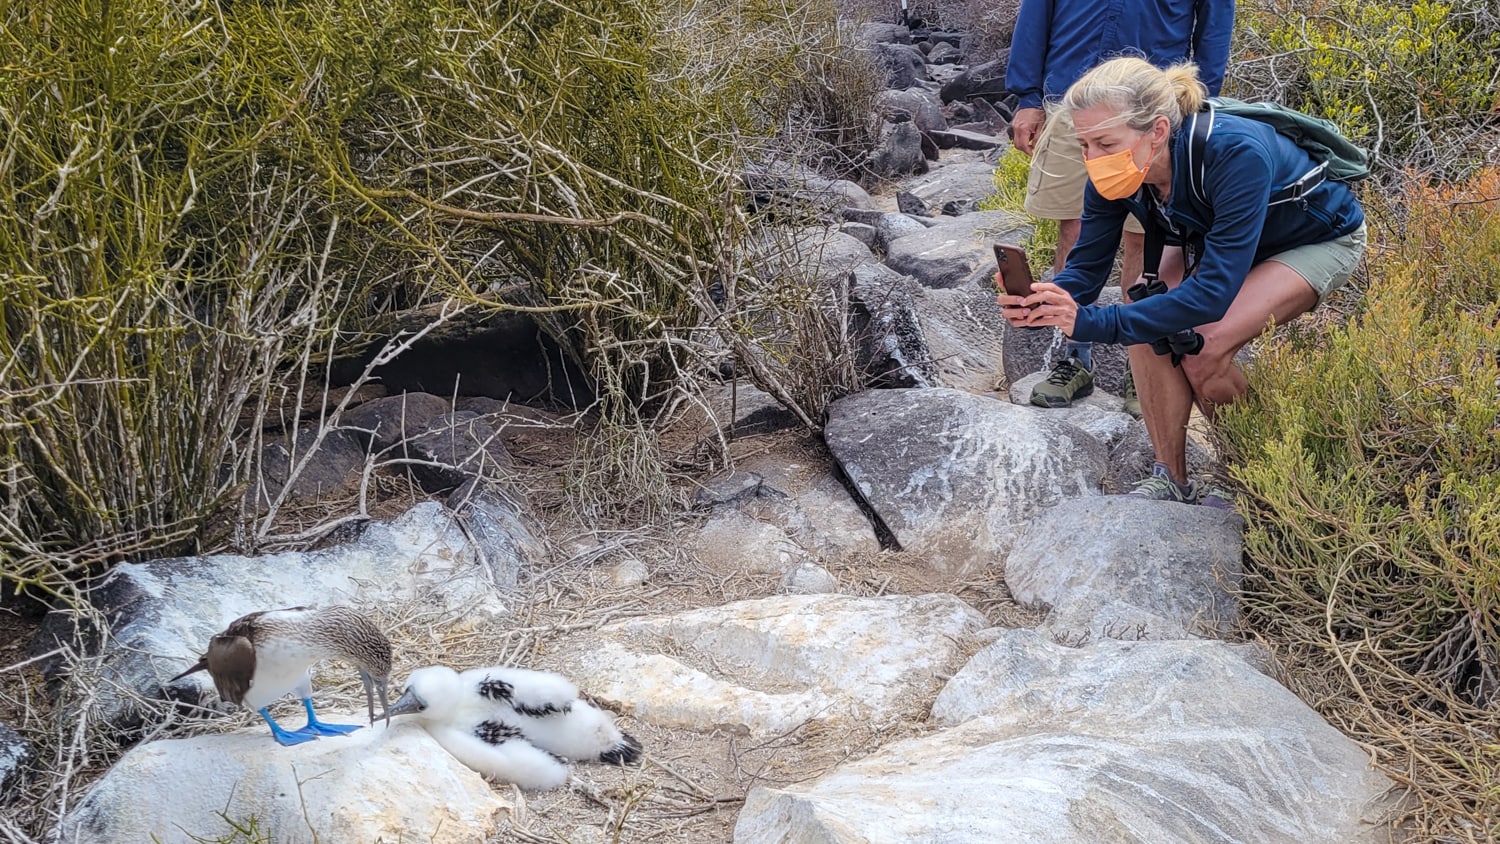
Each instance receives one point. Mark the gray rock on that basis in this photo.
(900, 152)
(823, 255)
(963, 330)
(162, 613)
(323, 466)
(733, 542)
(884, 33)
(740, 409)
(955, 476)
(959, 175)
(914, 104)
(995, 123)
(1175, 562)
(893, 226)
(801, 193)
(911, 204)
(15, 756)
(943, 53)
(454, 448)
(986, 81)
(1139, 742)
(811, 505)
(1099, 413)
(861, 232)
(628, 573)
(904, 64)
(350, 788)
(1030, 350)
(505, 538)
(959, 207)
(954, 138)
(959, 251)
(384, 423)
(863, 216)
(808, 579)
(891, 346)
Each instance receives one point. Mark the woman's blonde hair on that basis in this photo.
(1140, 91)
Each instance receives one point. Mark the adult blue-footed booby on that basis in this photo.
(513, 723)
(262, 656)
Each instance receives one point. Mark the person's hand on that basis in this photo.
(1047, 305)
(1025, 127)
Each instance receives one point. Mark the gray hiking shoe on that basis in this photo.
(1067, 381)
(1216, 495)
(1132, 402)
(1160, 487)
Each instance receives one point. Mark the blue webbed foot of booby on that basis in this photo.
(317, 728)
(282, 736)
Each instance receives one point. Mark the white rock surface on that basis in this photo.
(1156, 743)
(376, 784)
(732, 541)
(811, 505)
(165, 611)
(1121, 567)
(762, 667)
(954, 475)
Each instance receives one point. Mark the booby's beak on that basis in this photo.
(374, 685)
(408, 704)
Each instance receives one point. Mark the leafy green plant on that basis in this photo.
(1370, 453)
(1414, 81)
(1011, 173)
(206, 203)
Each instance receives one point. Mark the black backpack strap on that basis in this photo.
(1200, 126)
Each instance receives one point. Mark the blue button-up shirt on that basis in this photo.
(1057, 41)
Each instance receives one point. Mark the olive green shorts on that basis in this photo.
(1054, 187)
(1326, 266)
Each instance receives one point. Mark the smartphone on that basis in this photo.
(1015, 270)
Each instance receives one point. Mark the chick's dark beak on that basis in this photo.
(407, 704)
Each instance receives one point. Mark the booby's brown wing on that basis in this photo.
(231, 662)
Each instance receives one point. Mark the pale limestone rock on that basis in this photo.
(1157, 742)
(956, 476)
(1176, 565)
(733, 541)
(808, 579)
(164, 612)
(376, 784)
(764, 666)
(628, 573)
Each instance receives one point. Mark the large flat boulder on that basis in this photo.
(766, 666)
(1123, 567)
(955, 476)
(376, 784)
(1159, 742)
(162, 613)
(959, 251)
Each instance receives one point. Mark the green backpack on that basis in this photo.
(1334, 155)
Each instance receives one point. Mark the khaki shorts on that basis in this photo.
(1054, 188)
(1327, 265)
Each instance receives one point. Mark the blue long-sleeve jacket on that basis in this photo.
(1057, 41)
(1245, 161)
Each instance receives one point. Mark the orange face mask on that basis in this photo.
(1115, 176)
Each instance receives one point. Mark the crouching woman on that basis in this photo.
(1259, 258)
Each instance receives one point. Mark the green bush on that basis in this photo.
(1370, 453)
(1011, 173)
(206, 202)
(1413, 81)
